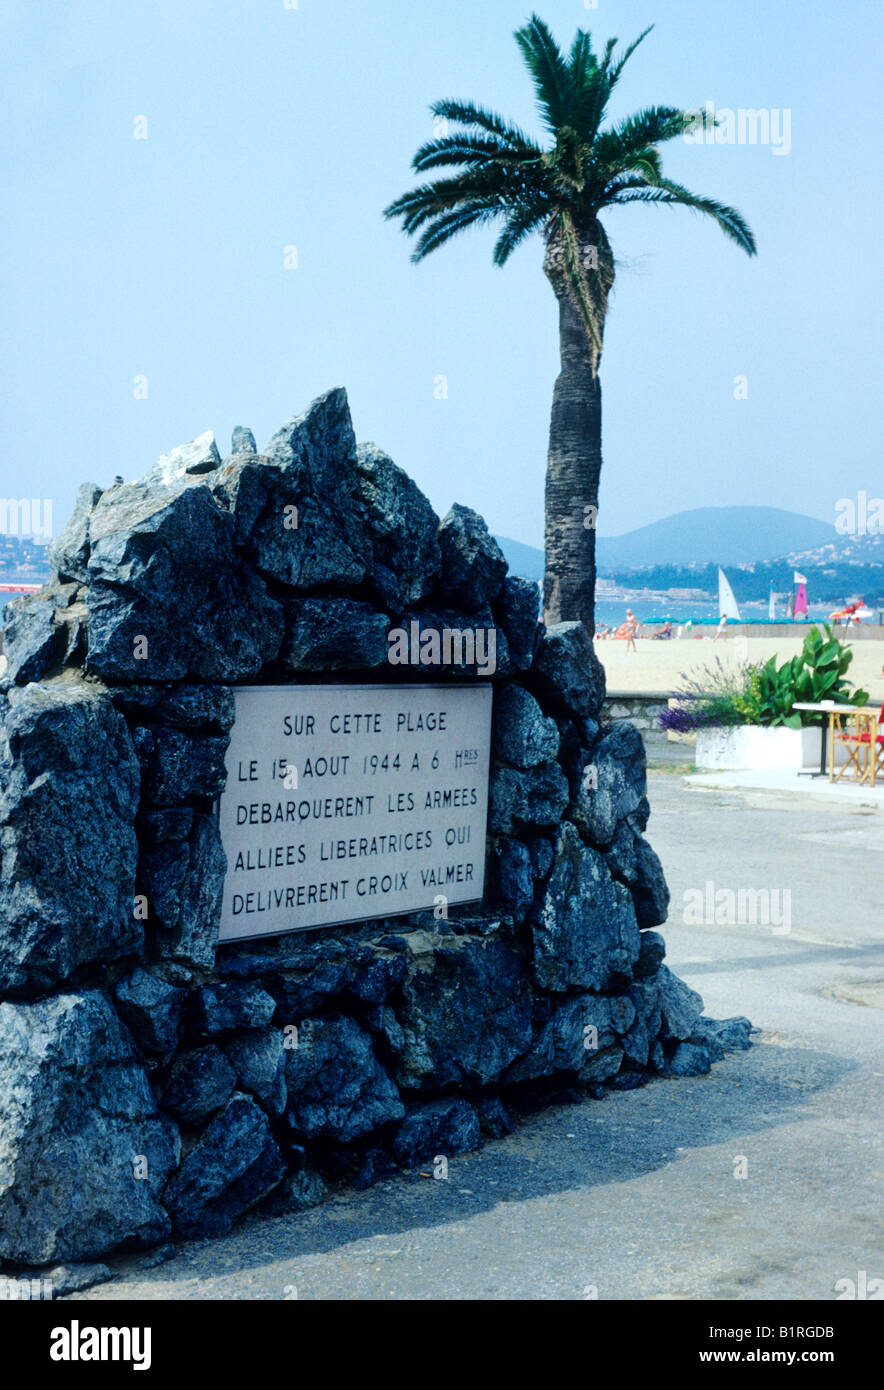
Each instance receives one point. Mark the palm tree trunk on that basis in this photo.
(574, 464)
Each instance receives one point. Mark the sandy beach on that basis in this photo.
(655, 668)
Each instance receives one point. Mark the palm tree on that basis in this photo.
(559, 189)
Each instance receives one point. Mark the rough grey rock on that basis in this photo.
(494, 1118)
(387, 1032)
(186, 898)
(538, 796)
(300, 991)
(163, 572)
(542, 856)
(183, 767)
(259, 1061)
(151, 1009)
(158, 1256)
(621, 854)
(620, 768)
(77, 1122)
(242, 441)
(690, 1059)
(337, 1089)
(374, 1166)
(69, 1278)
(465, 1013)
(404, 530)
(200, 1081)
(209, 709)
(68, 797)
(521, 733)
(473, 564)
(235, 1163)
(334, 635)
(185, 461)
(580, 1035)
(640, 1043)
(517, 608)
(228, 1008)
(511, 877)
(375, 981)
(444, 643)
(162, 872)
(651, 954)
(33, 640)
(299, 514)
(731, 1034)
(568, 672)
(69, 552)
(298, 1191)
(650, 892)
(442, 1127)
(585, 933)
(680, 1005)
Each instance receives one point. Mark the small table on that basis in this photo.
(824, 707)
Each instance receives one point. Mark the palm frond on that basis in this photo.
(520, 223)
(420, 204)
(469, 149)
(651, 126)
(582, 62)
(615, 71)
(549, 70)
(447, 225)
(667, 193)
(468, 113)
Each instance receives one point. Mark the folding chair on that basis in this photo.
(859, 736)
(874, 737)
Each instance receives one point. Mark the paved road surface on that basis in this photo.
(635, 1196)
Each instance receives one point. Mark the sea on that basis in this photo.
(676, 611)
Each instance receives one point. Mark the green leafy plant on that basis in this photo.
(715, 698)
(719, 697)
(817, 673)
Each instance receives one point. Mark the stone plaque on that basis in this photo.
(349, 802)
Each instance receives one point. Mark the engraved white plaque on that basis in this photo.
(350, 802)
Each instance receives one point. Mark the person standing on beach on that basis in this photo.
(631, 629)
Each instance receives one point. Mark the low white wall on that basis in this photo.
(751, 746)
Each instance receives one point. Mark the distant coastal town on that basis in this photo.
(23, 560)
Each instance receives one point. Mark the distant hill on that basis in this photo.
(705, 535)
(843, 550)
(524, 560)
(714, 535)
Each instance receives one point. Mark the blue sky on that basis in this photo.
(270, 127)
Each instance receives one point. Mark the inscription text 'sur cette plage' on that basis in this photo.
(345, 803)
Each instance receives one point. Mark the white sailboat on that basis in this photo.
(727, 604)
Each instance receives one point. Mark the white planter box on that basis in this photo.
(750, 746)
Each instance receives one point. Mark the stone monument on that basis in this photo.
(170, 1059)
